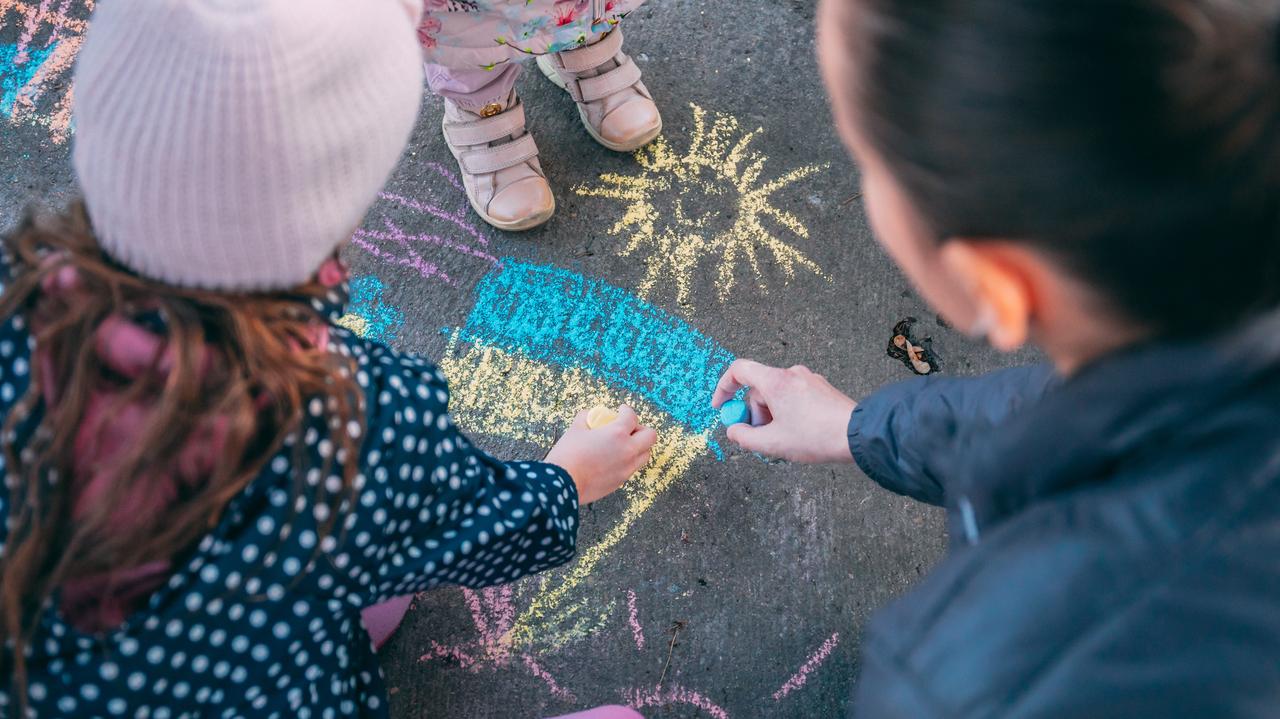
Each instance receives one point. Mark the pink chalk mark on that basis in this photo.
(475, 239)
(426, 269)
(57, 63)
(440, 651)
(62, 13)
(493, 613)
(458, 217)
(67, 32)
(477, 613)
(447, 174)
(502, 606)
(657, 696)
(801, 676)
(20, 57)
(633, 619)
(536, 669)
(394, 233)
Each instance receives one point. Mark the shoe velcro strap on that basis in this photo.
(482, 161)
(592, 56)
(486, 130)
(607, 83)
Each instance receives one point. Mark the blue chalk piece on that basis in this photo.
(735, 411)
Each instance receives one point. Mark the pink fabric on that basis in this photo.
(486, 34)
(102, 601)
(605, 712)
(382, 620)
(473, 88)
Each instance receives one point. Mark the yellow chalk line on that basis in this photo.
(507, 394)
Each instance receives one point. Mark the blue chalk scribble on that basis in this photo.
(15, 76)
(562, 318)
(382, 321)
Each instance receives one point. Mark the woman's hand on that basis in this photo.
(601, 459)
(795, 414)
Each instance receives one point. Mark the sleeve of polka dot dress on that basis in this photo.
(440, 511)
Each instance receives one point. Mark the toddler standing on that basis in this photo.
(474, 50)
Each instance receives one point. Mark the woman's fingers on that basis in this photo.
(760, 413)
(752, 439)
(742, 373)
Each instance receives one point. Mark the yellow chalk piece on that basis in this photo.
(355, 323)
(599, 416)
(505, 393)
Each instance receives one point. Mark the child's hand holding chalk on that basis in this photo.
(599, 416)
(788, 413)
(601, 449)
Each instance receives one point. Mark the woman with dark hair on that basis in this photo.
(1101, 179)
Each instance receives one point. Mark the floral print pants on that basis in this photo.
(473, 48)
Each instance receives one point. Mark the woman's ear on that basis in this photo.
(999, 283)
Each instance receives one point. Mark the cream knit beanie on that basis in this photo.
(234, 144)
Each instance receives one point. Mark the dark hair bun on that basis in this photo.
(1135, 141)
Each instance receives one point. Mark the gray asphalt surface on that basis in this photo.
(743, 569)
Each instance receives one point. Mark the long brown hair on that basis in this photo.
(267, 365)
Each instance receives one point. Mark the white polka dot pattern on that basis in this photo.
(262, 619)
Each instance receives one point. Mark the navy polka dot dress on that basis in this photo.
(262, 617)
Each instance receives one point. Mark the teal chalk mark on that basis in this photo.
(562, 318)
(13, 77)
(384, 321)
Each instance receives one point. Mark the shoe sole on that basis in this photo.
(549, 72)
(526, 223)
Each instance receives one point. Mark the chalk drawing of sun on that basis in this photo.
(708, 203)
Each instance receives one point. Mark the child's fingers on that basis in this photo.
(641, 459)
(580, 420)
(627, 420)
(742, 373)
(638, 464)
(644, 438)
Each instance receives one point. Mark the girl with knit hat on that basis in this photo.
(474, 49)
(209, 480)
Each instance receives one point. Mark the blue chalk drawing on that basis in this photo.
(382, 321)
(562, 318)
(14, 76)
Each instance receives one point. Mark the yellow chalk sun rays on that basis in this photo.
(720, 163)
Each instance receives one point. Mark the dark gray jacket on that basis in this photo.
(1115, 538)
